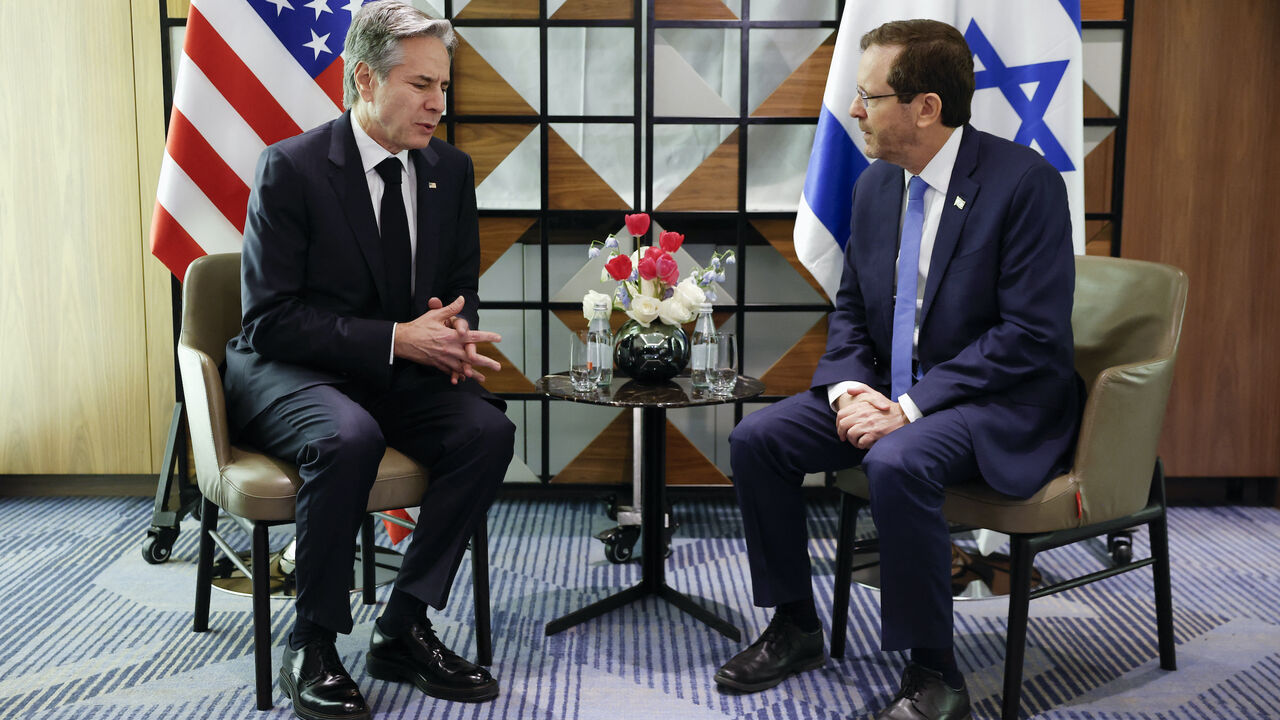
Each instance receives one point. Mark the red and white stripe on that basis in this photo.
(238, 90)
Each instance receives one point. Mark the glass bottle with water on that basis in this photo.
(704, 348)
(600, 342)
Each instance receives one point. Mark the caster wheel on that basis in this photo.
(155, 551)
(1121, 548)
(617, 553)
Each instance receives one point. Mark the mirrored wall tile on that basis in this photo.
(515, 183)
(433, 8)
(777, 159)
(791, 64)
(697, 72)
(783, 348)
(1102, 57)
(780, 234)
(771, 279)
(695, 167)
(587, 166)
(492, 71)
(590, 71)
(490, 144)
(697, 9)
(504, 271)
(513, 352)
(794, 10)
(1099, 167)
(593, 443)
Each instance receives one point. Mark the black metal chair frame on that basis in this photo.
(1023, 549)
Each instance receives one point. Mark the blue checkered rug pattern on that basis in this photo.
(91, 631)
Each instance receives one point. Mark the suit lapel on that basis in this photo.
(954, 214)
(347, 178)
(884, 247)
(426, 167)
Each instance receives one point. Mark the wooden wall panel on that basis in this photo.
(73, 376)
(1201, 178)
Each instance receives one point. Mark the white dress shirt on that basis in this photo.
(937, 176)
(371, 153)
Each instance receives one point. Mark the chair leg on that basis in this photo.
(261, 616)
(845, 535)
(368, 562)
(1160, 571)
(204, 565)
(480, 588)
(1020, 563)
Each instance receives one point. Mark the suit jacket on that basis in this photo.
(313, 290)
(995, 326)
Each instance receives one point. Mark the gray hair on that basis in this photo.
(374, 39)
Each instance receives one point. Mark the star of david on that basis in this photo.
(1047, 75)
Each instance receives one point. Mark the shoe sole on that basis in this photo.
(728, 682)
(291, 692)
(394, 672)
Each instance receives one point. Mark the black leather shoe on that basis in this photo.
(924, 696)
(319, 686)
(419, 657)
(783, 649)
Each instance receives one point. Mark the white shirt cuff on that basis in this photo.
(391, 357)
(909, 408)
(835, 390)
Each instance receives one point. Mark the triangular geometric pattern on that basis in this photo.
(1095, 106)
(688, 88)
(478, 89)
(505, 50)
(516, 183)
(776, 54)
(792, 372)
(496, 10)
(592, 10)
(572, 183)
(607, 148)
(489, 145)
(607, 459)
(509, 379)
(1098, 168)
(432, 9)
(497, 234)
(692, 10)
(800, 95)
(779, 233)
(713, 185)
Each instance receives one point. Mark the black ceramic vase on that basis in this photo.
(655, 353)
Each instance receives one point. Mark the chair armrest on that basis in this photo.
(206, 414)
(1119, 433)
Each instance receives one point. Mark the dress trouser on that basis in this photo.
(337, 438)
(773, 448)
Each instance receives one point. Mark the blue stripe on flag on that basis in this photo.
(834, 164)
(1073, 11)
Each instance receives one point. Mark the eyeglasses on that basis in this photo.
(865, 98)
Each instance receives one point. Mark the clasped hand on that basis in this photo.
(443, 340)
(864, 415)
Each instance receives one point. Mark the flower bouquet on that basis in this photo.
(649, 289)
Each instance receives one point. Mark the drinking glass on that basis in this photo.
(724, 369)
(583, 373)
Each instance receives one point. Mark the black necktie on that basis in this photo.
(396, 254)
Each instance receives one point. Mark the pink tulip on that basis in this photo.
(667, 269)
(670, 241)
(638, 224)
(648, 268)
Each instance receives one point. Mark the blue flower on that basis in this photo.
(594, 251)
(611, 242)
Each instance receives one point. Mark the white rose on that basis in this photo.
(589, 303)
(673, 312)
(689, 294)
(644, 309)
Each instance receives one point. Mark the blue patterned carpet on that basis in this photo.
(91, 631)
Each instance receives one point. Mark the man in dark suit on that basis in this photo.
(356, 230)
(957, 366)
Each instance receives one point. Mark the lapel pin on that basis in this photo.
(959, 203)
(432, 186)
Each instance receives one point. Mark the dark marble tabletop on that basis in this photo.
(677, 392)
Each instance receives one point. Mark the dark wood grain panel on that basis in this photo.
(1102, 9)
(594, 10)
(692, 10)
(489, 145)
(793, 372)
(497, 235)
(499, 10)
(780, 234)
(1202, 172)
(572, 183)
(479, 89)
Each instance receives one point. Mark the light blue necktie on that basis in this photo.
(904, 303)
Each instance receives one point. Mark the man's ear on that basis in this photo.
(364, 80)
(930, 112)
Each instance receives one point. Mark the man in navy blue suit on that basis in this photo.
(358, 234)
(975, 380)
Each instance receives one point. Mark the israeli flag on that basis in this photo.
(1027, 60)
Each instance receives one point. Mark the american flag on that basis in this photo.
(252, 72)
